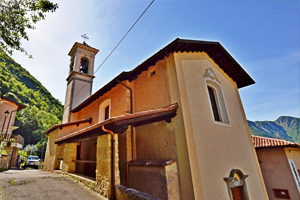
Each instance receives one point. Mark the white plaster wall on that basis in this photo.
(82, 90)
(215, 148)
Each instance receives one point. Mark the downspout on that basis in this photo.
(112, 161)
(131, 130)
(9, 123)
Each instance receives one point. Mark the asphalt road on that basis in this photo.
(36, 185)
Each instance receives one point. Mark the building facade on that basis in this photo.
(280, 166)
(174, 127)
(11, 143)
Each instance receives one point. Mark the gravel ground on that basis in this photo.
(36, 184)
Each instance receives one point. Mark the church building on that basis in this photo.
(172, 128)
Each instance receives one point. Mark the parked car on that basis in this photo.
(32, 161)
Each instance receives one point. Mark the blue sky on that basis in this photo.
(263, 37)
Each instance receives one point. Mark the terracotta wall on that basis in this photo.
(72, 128)
(151, 92)
(119, 105)
(277, 172)
(156, 140)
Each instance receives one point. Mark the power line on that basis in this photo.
(117, 45)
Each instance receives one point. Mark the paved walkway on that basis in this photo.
(36, 185)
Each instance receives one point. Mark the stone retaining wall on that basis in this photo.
(124, 193)
(4, 162)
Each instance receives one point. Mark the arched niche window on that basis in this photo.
(236, 185)
(84, 65)
(216, 98)
(104, 110)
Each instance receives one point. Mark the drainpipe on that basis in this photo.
(112, 161)
(9, 123)
(131, 130)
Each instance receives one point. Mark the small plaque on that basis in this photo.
(282, 193)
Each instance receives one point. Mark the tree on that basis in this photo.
(18, 15)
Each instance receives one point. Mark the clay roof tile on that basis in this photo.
(264, 142)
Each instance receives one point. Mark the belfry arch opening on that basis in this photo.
(84, 65)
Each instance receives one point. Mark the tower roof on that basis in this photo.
(82, 46)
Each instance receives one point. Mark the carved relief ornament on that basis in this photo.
(211, 74)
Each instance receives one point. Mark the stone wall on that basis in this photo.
(124, 193)
(161, 176)
(70, 152)
(6, 158)
(50, 157)
(59, 155)
(4, 162)
(103, 171)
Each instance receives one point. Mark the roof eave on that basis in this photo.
(121, 123)
(242, 79)
(53, 128)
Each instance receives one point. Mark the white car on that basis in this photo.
(32, 161)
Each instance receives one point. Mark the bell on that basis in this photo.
(83, 69)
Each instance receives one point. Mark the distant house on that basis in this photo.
(174, 127)
(8, 110)
(280, 165)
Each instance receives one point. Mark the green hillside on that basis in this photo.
(284, 127)
(43, 110)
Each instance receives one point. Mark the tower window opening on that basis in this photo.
(106, 114)
(213, 103)
(84, 63)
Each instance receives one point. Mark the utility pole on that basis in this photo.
(31, 146)
(43, 151)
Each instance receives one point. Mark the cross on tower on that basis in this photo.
(85, 37)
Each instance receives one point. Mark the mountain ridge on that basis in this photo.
(284, 127)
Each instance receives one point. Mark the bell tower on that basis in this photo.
(80, 78)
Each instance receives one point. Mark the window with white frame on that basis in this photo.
(216, 98)
(104, 110)
(295, 174)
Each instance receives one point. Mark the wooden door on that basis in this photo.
(237, 193)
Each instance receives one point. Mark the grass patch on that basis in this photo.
(12, 182)
(0, 191)
(91, 186)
